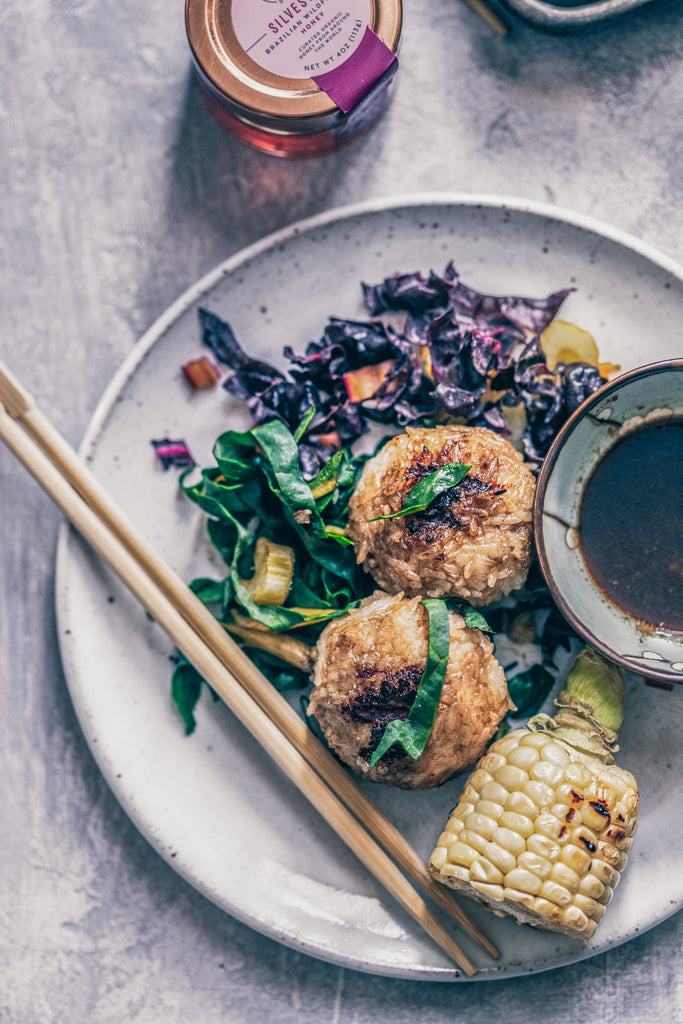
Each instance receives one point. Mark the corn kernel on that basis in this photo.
(469, 795)
(585, 903)
(461, 853)
(568, 794)
(565, 876)
(495, 792)
(446, 838)
(520, 803)
(523, 757)
(619, 837)
(473, 839)
(543, 846)
(438, 858)
(482, 870)
(578, 776)
(508, 743)
(587, 838)
(535, 740)
(573, 917)
(556, 754)
(547, 825)
(538, 866)
(456, 871)
(569, 815)
(541, 794)
(591, 886)
(547, 909)
(610, 855)
(465, 806)
(489, 809)
(555, 893)
(493, 892)
(517, 823)
(481, 824)
(525, 881)
(492, 762)
(594, 815)
(546, 771)
(519, 896)
(602, 871)
(589, 930)
(499, 855)
(576, 858)
(479, 778)
(510, 840)
(511, 777)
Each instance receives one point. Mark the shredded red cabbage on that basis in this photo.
(173, 453)
(455, 348)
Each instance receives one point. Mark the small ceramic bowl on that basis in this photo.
(649, 392)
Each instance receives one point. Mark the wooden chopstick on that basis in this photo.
(486, 12)
(20, 405)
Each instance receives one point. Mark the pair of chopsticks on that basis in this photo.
(223, 664)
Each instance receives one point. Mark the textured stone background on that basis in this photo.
(116, 192)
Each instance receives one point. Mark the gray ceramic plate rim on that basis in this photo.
(654, 670)
(299, 941)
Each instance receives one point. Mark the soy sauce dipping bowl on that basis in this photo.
(625, 403)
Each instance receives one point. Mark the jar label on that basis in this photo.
(301, 38)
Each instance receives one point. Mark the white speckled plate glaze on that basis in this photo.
(212, 804)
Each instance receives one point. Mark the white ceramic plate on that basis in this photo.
(212, 804)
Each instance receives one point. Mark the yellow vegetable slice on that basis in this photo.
(565, 343)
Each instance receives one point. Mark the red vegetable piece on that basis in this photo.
(364, 383)
(201, 373)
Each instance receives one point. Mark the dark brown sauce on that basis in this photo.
(631, 524)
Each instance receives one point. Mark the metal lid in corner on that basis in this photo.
(233, 74)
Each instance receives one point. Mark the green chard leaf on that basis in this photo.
(529, 689)
(430, 487)
(413, 732)
(186, 685)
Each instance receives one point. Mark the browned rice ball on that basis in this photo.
(474, 541)
(368, 667)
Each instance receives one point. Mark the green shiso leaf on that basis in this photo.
(430, 487)
(413, 732)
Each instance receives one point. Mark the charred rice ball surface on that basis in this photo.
(474, 541)
(368, 667)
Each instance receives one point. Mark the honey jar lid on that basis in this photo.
(257, 53)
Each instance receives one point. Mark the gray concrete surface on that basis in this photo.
(117, 191)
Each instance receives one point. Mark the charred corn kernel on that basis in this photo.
(546, 833)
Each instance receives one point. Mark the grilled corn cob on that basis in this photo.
(545, 822)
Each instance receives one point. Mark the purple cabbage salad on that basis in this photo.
(459, 353)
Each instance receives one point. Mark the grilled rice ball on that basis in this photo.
(473, 541)
(368, 667)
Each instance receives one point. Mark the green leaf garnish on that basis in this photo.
(413, 732)
(529, 689)
(186, 685)
(430, 487)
